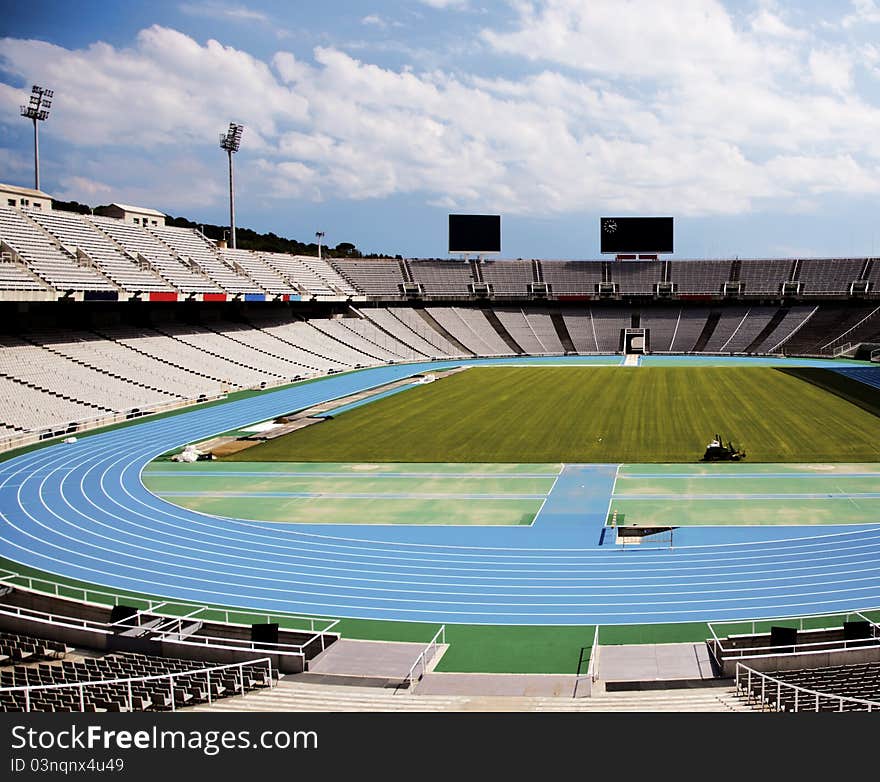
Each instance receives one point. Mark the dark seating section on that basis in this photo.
(860, 681)
(148, 695)
(17, 648)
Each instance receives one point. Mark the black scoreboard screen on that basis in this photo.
(636, 234)
(475, 233)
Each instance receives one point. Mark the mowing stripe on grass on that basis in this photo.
(583, 415)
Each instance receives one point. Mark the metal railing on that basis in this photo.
(593, 666)
(720, 652)
(752, 624)
(130, 682)
(420, 666)
(317, 626)
(778, 695)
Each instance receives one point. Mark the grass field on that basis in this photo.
(591, 414)
(746, 494)
(471, 494)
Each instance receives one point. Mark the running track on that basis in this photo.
(81, 511)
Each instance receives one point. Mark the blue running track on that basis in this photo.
(81, 511)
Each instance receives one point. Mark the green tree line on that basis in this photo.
(246, 238)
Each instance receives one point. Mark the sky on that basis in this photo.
(755, 124)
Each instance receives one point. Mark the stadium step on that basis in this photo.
(295, 696)
(562, 332)
(502, 332)
(771, 326)
(708, 331)
(429, 319)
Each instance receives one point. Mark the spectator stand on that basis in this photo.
(794, 642)
(94, 619)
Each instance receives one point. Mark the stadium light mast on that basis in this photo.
(37, 110)
(231, 142)
(319, 235)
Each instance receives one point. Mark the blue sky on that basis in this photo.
(756, 123)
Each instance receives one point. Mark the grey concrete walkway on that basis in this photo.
(654, 662)
(378, 659)
(516, 684)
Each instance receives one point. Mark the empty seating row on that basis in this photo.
(152, 684)
(18, 648)
(189, 243)
(77, 233)
(833, 688)
(142, 244)
(46, 258)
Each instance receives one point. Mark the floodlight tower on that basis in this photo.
(231, 142)
(319, 235)
(37, 110)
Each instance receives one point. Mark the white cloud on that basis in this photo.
(766, 22)
(864, 12)
(443, 4)
(638, 39)
(832, 68)
(235, 13)
(625, 106)
(165, 89)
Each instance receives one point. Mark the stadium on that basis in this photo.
(463, 479)
(243, 473)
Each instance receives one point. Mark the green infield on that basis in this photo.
(589, 415)
(746, 494)
(467, 494)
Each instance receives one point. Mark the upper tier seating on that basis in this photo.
(443, 278)
(76, 232)
(572, 278)
(764, 276)
(308, 275)
(189, 243)
(47, 260)
(508, 278)
(700, 277)
(258, 270)
(373, 277)
(829, 275)
(14, 276)
(636, 276)
(140, 242)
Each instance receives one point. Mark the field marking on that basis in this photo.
(119, 455)
(611, 497)
(712, 497)
(346, 475)
(347, 495)
(547, 495)
(749, 476)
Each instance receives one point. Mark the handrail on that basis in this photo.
(791, 618)
(81, 686)
(162, 632)
(593, 666)
(153, 604)
(840, 644)
(424, 658)
(815, 694)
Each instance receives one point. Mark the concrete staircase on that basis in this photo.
(291, 695)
